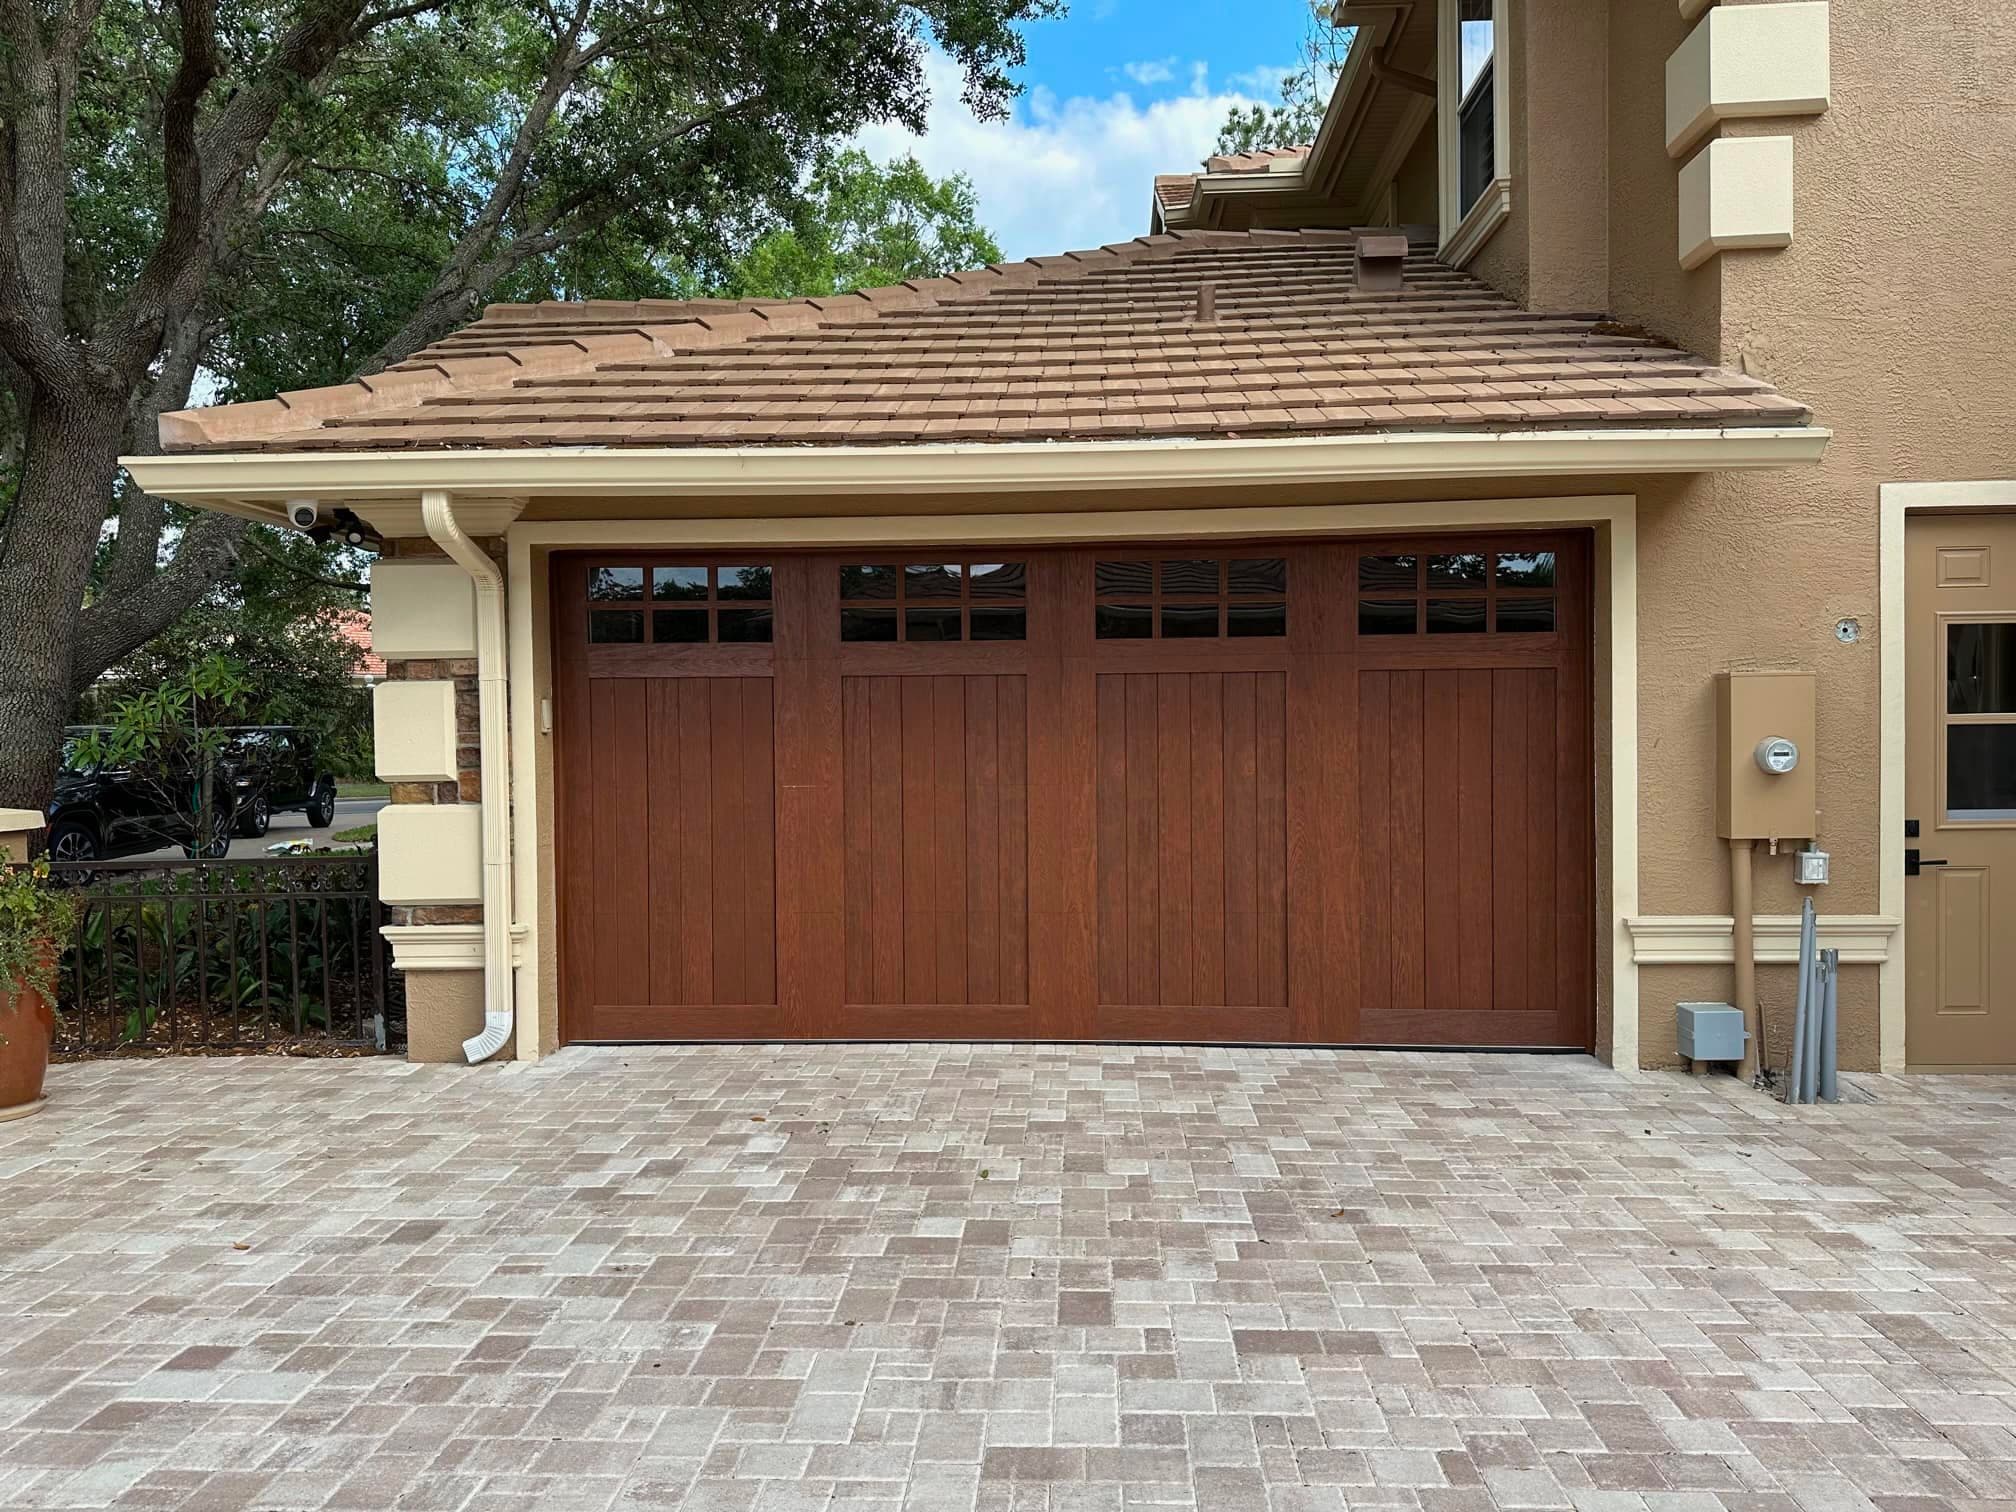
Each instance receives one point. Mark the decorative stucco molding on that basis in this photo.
(1745, 62)
(1707, 939)
(422, 611)
(442, 947)
(413, 731)
(430, 854)
(1736, 193)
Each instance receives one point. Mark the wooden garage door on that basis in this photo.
(1334, 794)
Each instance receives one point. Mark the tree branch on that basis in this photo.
(115, 623)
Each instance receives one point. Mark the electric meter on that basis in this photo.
(1777, 755)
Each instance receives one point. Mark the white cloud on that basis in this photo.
(1060, 174)
(1150, 71)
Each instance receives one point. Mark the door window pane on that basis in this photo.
(932, 624)
(1259, 575)
(1528, 616)
(867, 624)
(1189, 577)
(1125, 577)
(616, 627)
(868, 582)
(1981, 772)
(679, 626)
(994, 580)
(744, 625)
(1256, 619)
(742, 583)
(1981, 669)
(1463, 569)
(932, 581)
(1389, 572)
(1456, 616)
(615, 583)
(1189, 621)
(1125, 622)
(991, 624)
(1525, 569)
(1386, 616)
(679, 582)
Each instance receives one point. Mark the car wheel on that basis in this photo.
(216, 850)
(322, 806)
(71, 842)
(257, 818)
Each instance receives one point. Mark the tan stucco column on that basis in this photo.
(18, 827)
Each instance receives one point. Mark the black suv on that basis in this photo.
(101, 812)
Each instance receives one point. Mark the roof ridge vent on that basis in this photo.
(1381, 259)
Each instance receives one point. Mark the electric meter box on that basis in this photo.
(1765, 758)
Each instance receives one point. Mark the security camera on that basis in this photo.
(303, 514)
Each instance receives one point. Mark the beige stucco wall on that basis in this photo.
(444, 1008)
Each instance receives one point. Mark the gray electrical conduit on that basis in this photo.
(437, 513)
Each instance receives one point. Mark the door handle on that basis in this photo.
(1913, 862)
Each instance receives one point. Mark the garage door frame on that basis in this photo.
(1613, 518)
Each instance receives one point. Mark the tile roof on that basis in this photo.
(1175, 191)
(1099, 345)
(354, 626)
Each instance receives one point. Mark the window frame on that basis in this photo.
(1464, 232)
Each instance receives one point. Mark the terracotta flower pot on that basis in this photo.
(27, 1023)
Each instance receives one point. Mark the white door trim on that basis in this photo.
(1898, 500)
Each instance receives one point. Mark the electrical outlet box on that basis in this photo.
(1710, 1031)
(1765, 786)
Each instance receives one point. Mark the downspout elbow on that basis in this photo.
(437, 514)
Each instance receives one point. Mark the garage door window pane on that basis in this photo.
(868, 582)
(614, 584)
(998, 580)
(1256, 619)
(1387, 616)
(742, 626)
(1189, 621)
(1526, 569)
(1981, 669)
(1525, 616)
(678, 583)
(1190, 577)
(1126, 621)
(616, 627)
(867, 624)
(932, 624)
(1125, 577)
(999, 624)
(1258, 575)
(1389, 572)
(1456, 616)
(1981, 772)
(742, 583)
(679, 626)
(1463, 569)
(932, 581)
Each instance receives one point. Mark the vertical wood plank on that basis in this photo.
(1375, 921)
(1111, 839)
(760, 814)
(731, 858)
(885, 759)
(920, 944)
(983, 841)
(622, 804)
(667, 876)
(1270, 764)
(1174, 927)
(1144, 983)
(948, 840)
(1012, 754)
(696, 839)
(1518, 908)
(811, 943)
(1408, 843)
(1242, 844)
(858, 766)
(1441, 839)
(1543, 987)
(1473, 857)
(1207, 844)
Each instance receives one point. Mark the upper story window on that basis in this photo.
(1475, 157)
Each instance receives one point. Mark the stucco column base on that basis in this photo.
(444, 1008)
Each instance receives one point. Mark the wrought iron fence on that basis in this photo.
(225, 955)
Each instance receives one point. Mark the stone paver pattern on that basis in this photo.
(939, 1278)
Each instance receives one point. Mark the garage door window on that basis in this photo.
(934, 602)
(1456, 593)
(1191, 598)
(689, 604)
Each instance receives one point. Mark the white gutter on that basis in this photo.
(492, 684)
(259, 484)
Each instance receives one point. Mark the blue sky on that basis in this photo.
(1118, 91)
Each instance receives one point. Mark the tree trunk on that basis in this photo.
(71, 462)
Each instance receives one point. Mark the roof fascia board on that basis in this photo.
(259, 484)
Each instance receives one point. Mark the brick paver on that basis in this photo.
(931, 1279)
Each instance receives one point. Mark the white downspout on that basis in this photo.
(492, 689)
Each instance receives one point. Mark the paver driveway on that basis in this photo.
(946, 1277)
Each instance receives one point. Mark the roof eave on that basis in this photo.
(258, 485)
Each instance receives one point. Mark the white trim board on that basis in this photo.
(1710, 939)
(1896, 501)
(1613, 516)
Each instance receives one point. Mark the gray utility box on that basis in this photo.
(1711, 1031)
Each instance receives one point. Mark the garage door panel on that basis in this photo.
(624, 969)
(1192, 839)
(935, 784)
